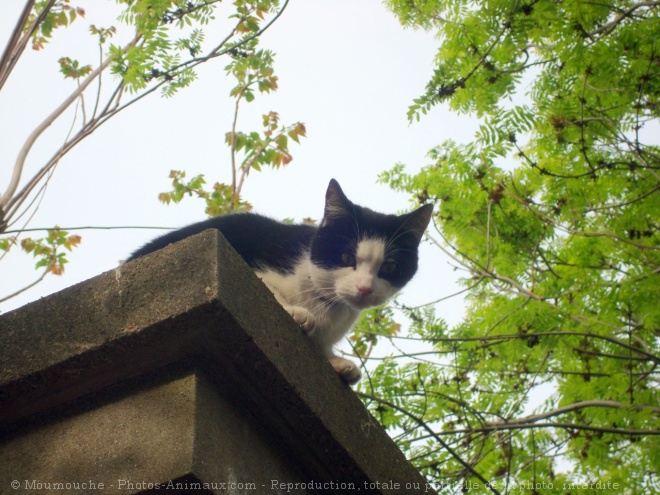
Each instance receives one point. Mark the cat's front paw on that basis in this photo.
(348, 370)
(302, 317)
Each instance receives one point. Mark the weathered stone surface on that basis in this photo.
(197, 307)
(172, 427)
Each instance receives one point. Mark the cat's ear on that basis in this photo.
(417, 221)
(337, 205)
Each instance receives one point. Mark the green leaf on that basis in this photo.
(282, 142)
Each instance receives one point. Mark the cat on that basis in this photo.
(323, 276)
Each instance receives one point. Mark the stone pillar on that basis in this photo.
(180, 372)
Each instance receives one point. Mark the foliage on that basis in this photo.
(374, 323)
(46, 249)
(252, 70)
(158, 47)
(218, 201)
(552, 212)
(46, 16)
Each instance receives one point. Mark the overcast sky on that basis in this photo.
(346, 69)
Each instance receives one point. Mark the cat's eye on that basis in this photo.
(348, 259)
(388, 268)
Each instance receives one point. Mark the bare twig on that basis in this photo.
(234, 186)
(98, 227)
(29, 286)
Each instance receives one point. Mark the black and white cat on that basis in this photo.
(323, 276)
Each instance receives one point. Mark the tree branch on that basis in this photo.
(424, 425)
(607, 28)
(573, 407)
(22, 155)
(567, 426)
(16, 44)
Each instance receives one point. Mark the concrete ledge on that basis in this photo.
(195, 307)
(161, 435)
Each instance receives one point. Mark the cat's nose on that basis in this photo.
(364, 291)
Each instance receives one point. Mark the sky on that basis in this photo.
(346, 69)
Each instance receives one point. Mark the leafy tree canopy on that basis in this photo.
(553, 214)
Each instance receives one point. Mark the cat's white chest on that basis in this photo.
(332, 318)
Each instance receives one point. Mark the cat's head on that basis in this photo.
(361, 257)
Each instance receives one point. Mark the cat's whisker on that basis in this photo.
(396, 236)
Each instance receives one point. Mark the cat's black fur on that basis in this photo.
(261, 241)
